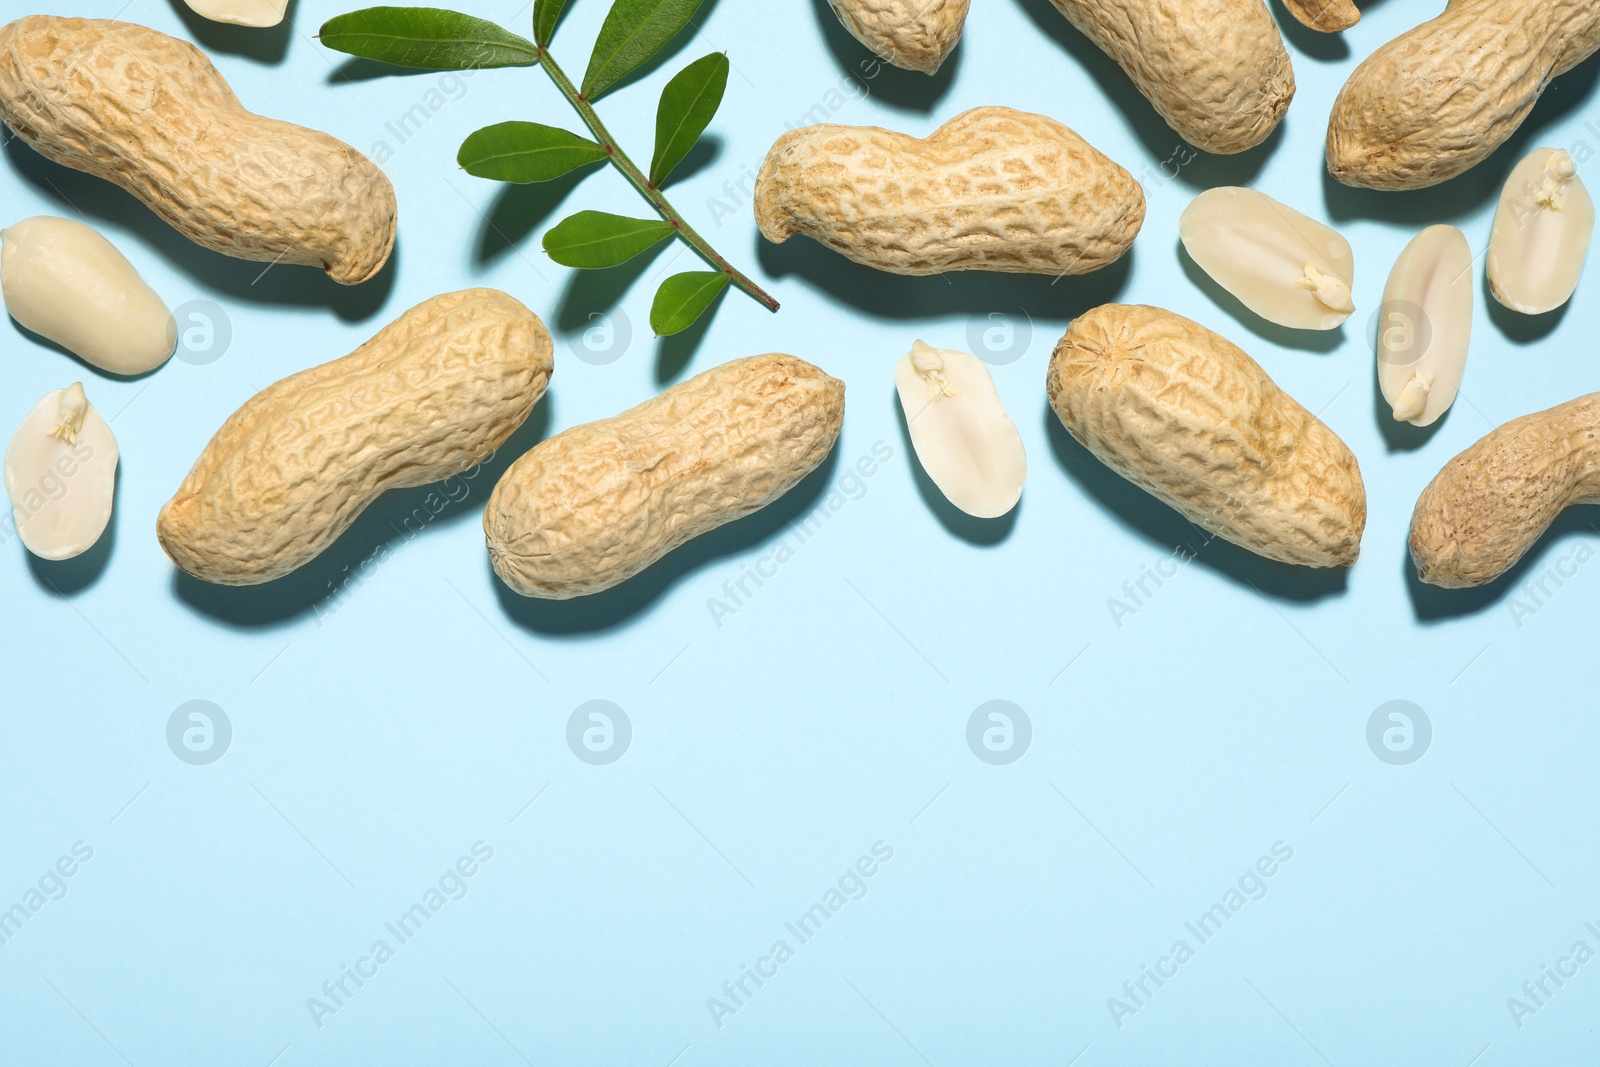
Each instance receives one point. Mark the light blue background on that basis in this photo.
(382, 725)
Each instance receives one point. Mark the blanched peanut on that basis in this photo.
(1541, 233)
(260, 13)
(962, 435)
(1287, 268)
(66, 282)
(61, 475)
(1425, 326)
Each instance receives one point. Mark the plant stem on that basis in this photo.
(643, 184)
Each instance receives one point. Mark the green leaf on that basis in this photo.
(683, 298)
(687, 104)
(634, 30)
(593, 239)
(525, 152)
(428, 38)
(546, 13)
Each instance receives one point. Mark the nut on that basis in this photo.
(1282, 265)
(1439, 99)
(960, 430)
(1425, 325)
(260, 13)
(150, 113)
(1541, 233)
(992, 189)
(435, 392)
(1185, 415)
(1216, 70)
(1490, 504)
(61, 475)
(1329, 16)
(65, 282)
(597, 504)
(912, 34)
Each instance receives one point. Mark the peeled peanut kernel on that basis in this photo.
(61, 475)
(259, 13)
(960, 430)
(64, 281)
(1541, 233)
(1287, 268)
(1425, 326)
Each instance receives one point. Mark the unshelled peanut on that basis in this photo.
(1439, 99)
(913, 34)
(433, 393)
(150, 113)
(992, 189)
(1491, 503)
(1328, 16)
(1193, 420)
(597, 504)
(1216, 70)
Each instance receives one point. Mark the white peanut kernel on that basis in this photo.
(1282, 265)
(61, 475)
(1541, 233)
(960, 430)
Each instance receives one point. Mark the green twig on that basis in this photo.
(643, 183)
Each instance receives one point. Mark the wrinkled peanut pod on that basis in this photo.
(1328, 16)
(433, 393)
(1216, 70)
(597, 504)
(911, 34)
(1490, 504)
(992, 189)
(150, 113)
(1438, 100)
(1189, 417)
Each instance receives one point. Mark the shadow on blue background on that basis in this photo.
(906, 89)
(902, 296)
